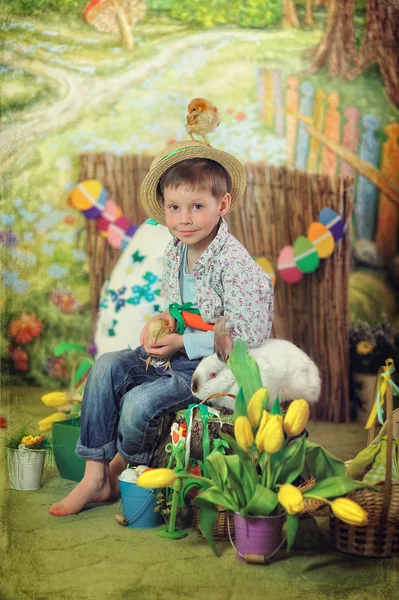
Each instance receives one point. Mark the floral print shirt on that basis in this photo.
(229, 283)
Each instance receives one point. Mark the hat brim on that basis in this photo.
(183, 151)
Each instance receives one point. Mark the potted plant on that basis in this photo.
(26, 455)
(369, 346)
(256, 482)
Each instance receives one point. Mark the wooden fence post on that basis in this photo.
(278, 104)
(292, 104)
(318, 122)
(332, 131)
(388, 222)
(350, 138)
(305, 108)
(366, 193)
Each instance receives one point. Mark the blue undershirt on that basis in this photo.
(197, 344)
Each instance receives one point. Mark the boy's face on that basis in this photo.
(192, 215)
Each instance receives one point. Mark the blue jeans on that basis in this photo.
(123, 404)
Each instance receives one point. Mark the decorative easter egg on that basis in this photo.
(286, 266)
(305, 255)
(116, 231)
(127, 236)
(333, 222)
(109, 215)
(267, 266)
(89, 194)
(321, 239)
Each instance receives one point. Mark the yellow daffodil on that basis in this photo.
(296, 417)
(255, 407)
(243, 433)
(273, 436)
(30, 440)
(349, 512)
(261, 431)
(365, 347)
(157, 478)
(290, 499)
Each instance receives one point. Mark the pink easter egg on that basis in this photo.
(286, 266)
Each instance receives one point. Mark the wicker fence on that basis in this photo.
(278, 206)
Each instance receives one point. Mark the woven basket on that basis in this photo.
(380, 538)
(220, 528)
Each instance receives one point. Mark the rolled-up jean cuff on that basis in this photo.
(141, 458)
(106, 452)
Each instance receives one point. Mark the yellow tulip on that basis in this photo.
(255, 407)
(296, 417)
(290, 499)
(55, 399)
(273, 436)
(260, 433)
(243, 433)
(157, 478)
(349, 512)
(47, 423)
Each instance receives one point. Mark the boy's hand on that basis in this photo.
(167, 346)
(166, 316)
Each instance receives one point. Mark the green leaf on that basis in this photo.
(235, 479)
(294, 460)
(240, 408)
(334, 487)
(217, 469)
(322, 464)
(291, 530)
(245, 370)
(85, 366)
(263, 502)
(276, 408)
(208, 516)
(216, 496)
(67, 346)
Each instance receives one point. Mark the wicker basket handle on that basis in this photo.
(218, 395)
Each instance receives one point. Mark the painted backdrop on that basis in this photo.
(308, 84)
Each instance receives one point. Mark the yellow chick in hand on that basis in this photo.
(202, 118)
(156, 329)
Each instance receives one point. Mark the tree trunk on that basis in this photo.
(290, 14)
(336, 51)
(380, 45)
(309, 17)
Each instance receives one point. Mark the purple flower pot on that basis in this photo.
(257, 538)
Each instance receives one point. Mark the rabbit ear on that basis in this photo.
(223, 343)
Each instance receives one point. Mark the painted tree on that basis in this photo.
(290, 14)
(380, 45)
(336, 50)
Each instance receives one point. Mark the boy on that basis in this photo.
(190, 188)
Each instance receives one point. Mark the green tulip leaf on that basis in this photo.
(240, 407)
(321, 464)
(245, 370)
(291, 530)
(84, 367)
(216, 496)
(217, 469)
(235, 479)
(263, 502)
(334, 487)
(294, 461)
(67, 346)
(276, 408)
(208, 516)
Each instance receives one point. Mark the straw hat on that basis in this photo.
(181, 151)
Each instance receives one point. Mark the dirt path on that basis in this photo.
(77, 92)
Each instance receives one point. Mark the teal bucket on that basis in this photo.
(138, 506)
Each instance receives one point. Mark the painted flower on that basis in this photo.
(240, 116)
(3, 423)
(25, 329)
(65, 300)
(56, 271)
(8, 238)
(56, 367)
(365, 347)
(70, 219)
(19, 358)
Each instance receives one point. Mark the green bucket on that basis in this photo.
(65, 435)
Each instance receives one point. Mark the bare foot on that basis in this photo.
(116, 466)
(94, 487)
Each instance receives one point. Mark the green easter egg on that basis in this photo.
(305, 255)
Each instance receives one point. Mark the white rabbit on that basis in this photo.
(286, 371)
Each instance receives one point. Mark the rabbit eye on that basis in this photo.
(212, 375)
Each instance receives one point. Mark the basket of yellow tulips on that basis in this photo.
(256, 482)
